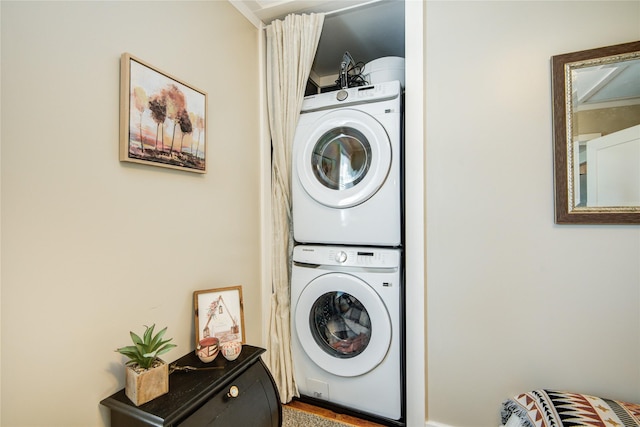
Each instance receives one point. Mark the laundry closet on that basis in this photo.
(342, 270)
(347, 187)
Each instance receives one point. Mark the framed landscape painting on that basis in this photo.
(162, 119)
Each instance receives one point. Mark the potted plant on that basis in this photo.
(147, 376)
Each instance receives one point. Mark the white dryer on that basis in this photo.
(346, 167)
(346, 327)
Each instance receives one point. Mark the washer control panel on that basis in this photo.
(347, 256)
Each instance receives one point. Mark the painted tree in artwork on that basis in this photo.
(158, 107)
(194, 123)
(140, 103)
(198, 123)
(176, 102)
(185, 125)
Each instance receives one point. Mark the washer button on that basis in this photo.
(342, 95)
(341, 257)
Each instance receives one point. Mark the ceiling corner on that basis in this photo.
(244, 8)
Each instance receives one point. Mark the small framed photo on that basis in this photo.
(162, 119)
(219, 313)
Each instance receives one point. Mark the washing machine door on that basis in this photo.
(342, 324)
(345, 158)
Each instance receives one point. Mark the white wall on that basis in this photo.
(414, 201)
(91, 247)
(516, 302)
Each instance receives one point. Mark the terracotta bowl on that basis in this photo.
(231, 349)
(208, 349)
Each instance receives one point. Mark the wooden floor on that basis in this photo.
(326, 413)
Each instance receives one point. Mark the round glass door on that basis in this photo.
(341, 158)
(344, 160)
(342, 324)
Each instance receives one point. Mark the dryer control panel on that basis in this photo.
(352, 96)
(347, 256)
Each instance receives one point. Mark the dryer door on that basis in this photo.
(345, 159)
(342, 324)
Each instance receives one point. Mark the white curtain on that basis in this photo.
(291, 47)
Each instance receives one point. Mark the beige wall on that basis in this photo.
(91, 247)
(605, 120)
(516, 302)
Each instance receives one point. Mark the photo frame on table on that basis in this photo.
(219, 313)
(162, 119)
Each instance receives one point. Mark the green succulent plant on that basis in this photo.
(146, 349)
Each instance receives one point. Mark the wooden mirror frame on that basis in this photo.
(565, 209)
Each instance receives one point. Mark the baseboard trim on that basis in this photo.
(434, 424)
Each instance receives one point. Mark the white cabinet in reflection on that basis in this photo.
(613, 169)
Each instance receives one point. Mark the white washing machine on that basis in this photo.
(346, 327)
(346, 167)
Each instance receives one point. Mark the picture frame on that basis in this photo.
(219, 313)
(152, 102)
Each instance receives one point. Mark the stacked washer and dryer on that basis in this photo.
(347, 292)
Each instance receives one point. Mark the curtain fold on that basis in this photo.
(291, 47)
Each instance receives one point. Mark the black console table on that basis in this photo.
(238, 393)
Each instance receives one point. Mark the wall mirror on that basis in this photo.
(596, 121)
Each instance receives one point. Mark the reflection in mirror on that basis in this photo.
(597, 135)
(605, 104)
